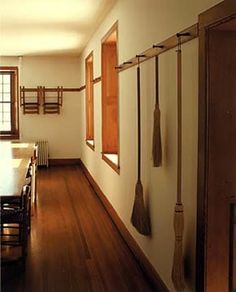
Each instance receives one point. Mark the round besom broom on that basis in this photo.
(156, 140)
(178, 268)
(140, 217)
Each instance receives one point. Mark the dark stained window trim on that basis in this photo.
(14, 134)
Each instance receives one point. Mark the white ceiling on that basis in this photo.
(49, 27)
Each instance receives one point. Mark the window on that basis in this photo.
(89, 101)
(9, 128)
(110, 110)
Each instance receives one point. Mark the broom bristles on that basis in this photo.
(156, 142)
(178, 268)
(140, 218)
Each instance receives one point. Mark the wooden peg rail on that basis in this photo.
(187, 35)
(68, 89)
(96, 80)
(156, 49)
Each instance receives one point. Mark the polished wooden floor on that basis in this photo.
(73, 246)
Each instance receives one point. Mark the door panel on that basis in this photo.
(221, 156)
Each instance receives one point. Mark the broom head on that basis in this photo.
(156, 142)
(140, 218)
(178, 268)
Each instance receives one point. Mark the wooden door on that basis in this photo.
(217, 153)
(222, 153)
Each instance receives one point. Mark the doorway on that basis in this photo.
(217, 151)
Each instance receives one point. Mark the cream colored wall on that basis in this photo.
(62, 131)
(141, 24)
(9, 61)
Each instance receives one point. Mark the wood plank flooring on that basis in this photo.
(74, 245)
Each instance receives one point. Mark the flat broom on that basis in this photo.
(139, 217)
(156, 140)
(178, 268)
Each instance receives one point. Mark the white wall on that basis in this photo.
(141, 24)
(62, 131)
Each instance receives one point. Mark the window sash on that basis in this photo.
(9, 102)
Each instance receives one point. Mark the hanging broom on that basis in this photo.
(178, 268)
(140, 218)
(156, 141)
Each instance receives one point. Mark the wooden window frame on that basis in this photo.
(105, 42)
(89, 101)
(14, 133)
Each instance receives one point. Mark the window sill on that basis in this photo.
(9, 137)
(112, 161)
(90, 143)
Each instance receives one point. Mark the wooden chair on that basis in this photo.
(31, 102)
(52, 100)
(35, 171)
(15, 220)
(31, 176)
(15, 203)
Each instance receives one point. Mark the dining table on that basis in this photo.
(15, 158)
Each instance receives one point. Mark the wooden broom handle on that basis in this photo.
(179, 124)
(157, 78)
(139, 123)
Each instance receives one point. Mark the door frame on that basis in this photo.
(222, 12)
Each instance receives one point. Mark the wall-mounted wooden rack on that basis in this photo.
(82, 87)
(189, 33)
(96, 80)
(161, 47)
(157, 49)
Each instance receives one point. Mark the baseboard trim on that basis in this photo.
(146, 266)
(63, 161)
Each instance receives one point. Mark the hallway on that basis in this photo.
(73, 245)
